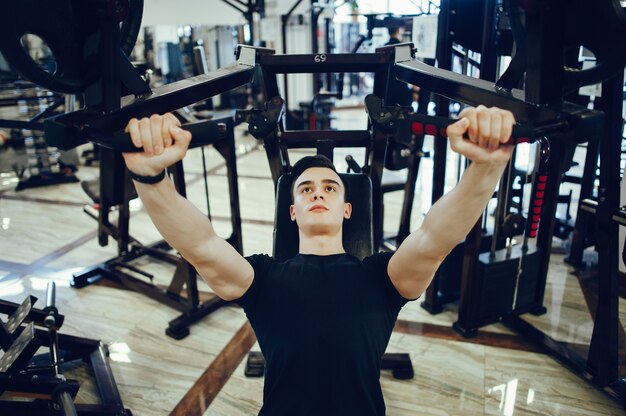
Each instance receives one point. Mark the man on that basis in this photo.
(398, 92)
(323, 319)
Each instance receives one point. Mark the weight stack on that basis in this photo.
(498, 291)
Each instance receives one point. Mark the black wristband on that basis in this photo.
(150, 180)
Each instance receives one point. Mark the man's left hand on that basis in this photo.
(488, 130)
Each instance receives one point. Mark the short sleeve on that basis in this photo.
(379, 263)
(261, 264)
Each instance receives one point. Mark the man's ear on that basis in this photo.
(347, 210)
(292, 212)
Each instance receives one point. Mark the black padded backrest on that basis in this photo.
(357, 231)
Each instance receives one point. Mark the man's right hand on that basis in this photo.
(163, 141)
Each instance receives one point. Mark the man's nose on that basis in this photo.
(317, 194)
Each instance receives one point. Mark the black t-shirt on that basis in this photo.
(323, 324)
(398, 92)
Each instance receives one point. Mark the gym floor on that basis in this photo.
(46, 236)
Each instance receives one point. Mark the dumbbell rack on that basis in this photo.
(44, 167)
(39, 377)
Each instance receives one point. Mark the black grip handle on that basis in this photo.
(203, 133)
(437, 125)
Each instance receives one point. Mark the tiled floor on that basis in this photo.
(45, 235)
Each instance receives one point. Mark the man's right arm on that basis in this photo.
(182, 225)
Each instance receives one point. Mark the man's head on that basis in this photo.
(396, 32)
(319, 196)
(317, 161)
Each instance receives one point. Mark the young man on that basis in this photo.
(323, 319)
(398, 92)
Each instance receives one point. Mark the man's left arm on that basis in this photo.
(413, 265)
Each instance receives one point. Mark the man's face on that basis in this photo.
(319, 206)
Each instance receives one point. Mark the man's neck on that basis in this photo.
(321, 245)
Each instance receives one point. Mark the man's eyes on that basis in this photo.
(307, 189)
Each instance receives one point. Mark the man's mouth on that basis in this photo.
(318, 208)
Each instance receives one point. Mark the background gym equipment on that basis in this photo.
(106, 46)
(547, 79)
(41, 165)
(406, 130)
(182, 292)
(573, 123)
(70, 29)
(40, 377)
(44, 165)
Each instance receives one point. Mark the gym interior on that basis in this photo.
(100, 315)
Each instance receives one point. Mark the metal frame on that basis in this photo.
(326, 140)
(94, 352)
(72, 129)
(566, 124)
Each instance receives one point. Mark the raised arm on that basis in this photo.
(182, 225)
(450, 219)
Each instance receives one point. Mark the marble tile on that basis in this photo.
(455, 378)
(33, 230)
(152, 370)
(91, 253)
(449, 378)
(520, 383)
(241, 396)
(67, 193)
(155, 389)
(8, 181)
(13, 289)
(568, 318)
(18, 288)
(412, 311)
(106, 313)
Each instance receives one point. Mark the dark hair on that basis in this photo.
(393, 30)
(317, 161)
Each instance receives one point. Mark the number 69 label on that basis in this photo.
(320, 58)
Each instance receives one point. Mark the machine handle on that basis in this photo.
(437, 125)
(203, 133)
